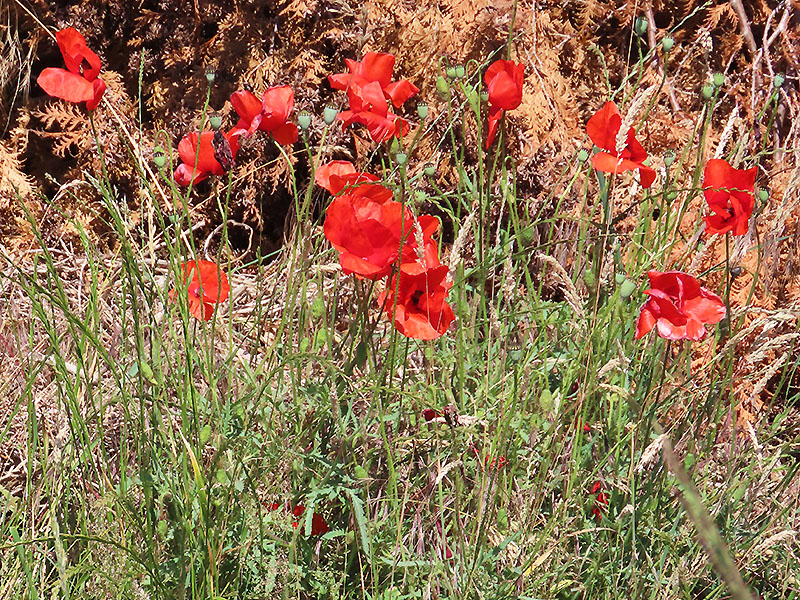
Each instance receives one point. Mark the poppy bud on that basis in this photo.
(210, 76)
(216, 122)
(640, 26)
(304, 120)
(329, 114)
(667, 43)
(430, 169)
(484, 96)
(459, 71)
(394, 146)
(708, 91)
(589, 278)
(619, 277)
(526, 236)
(778, 80)
(735, 272)
(671, 195)
(669, 157)
(401, 158)
(317, 308)
(158, 157)
(626, 289)
(450, 72)
(718, 79)
(443, 88)
(583, 156)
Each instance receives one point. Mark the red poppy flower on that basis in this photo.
(496, 463)
(504, 83)
(429, 414)
(79, 82)
(318, 523)
(368, 107)
(729, 193)
(603, 129)
(375, 67)
(337, 175)
(207, 286)
(187, 172)
(269, 114)
(679, 308)
(367, 233)
(419, 304)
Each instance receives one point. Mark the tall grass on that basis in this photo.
(156, 447)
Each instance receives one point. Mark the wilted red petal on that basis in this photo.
(495, 114)
(74, 50)
(63, 84)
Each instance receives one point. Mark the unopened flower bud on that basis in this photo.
(329, 114)
(708, 91)
(667, 43)
(210, 76)
(443, 88)
(401, 158)
(158, 157)
(671, 195)
(583, 155)
(778, 80)
(626, 289)
(216, 122)
(459, 71)
(422, 110)
(430, 169)
(718, 79)
(669, 157)
(304, 120)
(640, 26)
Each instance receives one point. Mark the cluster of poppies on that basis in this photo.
(379, 238)
(678, 306)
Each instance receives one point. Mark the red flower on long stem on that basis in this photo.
(79, 82)
(368, 107)
(375, 67)
(417, 304)
(207, 286)
(318, 524)
(603, 129)
(503, 81)
(729, 193)
(678, 307)
(337, 175)
(196, 165)
(269, 114)
(601, 500)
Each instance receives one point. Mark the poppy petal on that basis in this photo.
(63, 84)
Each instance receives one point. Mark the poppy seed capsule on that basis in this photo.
(304, 120)
(735, 272)
(708, 91)
(459, 71)
(450, 72)
(485, 96)
(763, 194)
(669, 158)
(640, 26)
(583, 156)
(778, 80)
(158, 157)
(215, 122)
(626, 289)
(718, 80)
(401, 158)
(422, 110)
(430, 169)
(667, 43)
(211, 75)
(329, 114)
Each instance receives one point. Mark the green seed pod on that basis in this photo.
(484, 96)
(450, 72)
(401, 158)
(671, 195)
(210, 76)
(589, 278)
(317, 308)
(669, 157)
(763, 194)
(718, 80)
(320, 338)
(459, 71)
(583, 156)
(640, 26)
(329, 114)
(708, 91)
(430, 169)
(304, 120)
(443, 88)
(159, 158)
(626, 289)
(422, 110)
(778, 80)
(215, 122)
(667, 43)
